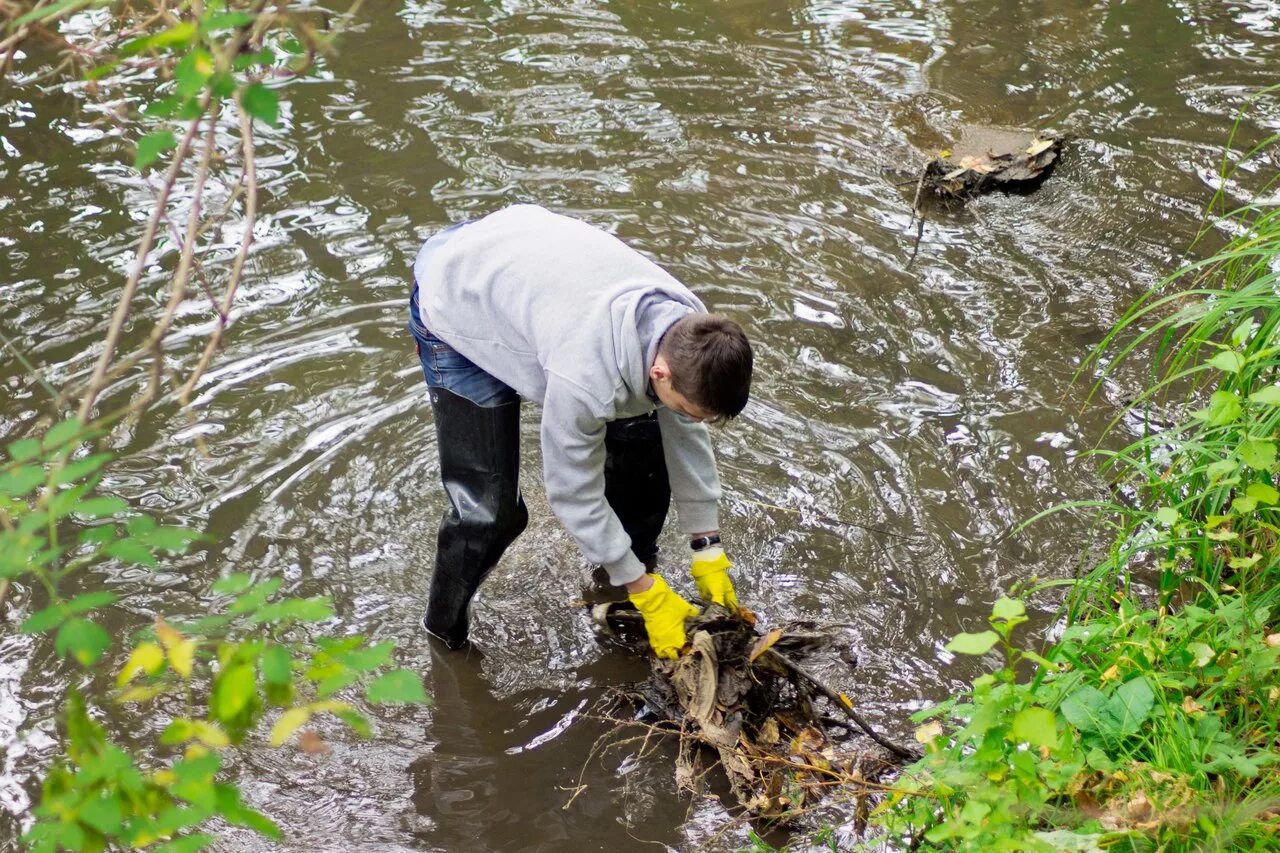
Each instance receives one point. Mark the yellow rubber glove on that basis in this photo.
(664, 613)
(710, 569)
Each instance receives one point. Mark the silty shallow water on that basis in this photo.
(753, 149)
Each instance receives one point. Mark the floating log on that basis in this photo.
(987, 158)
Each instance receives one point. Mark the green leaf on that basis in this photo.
(261, 103)
(43, 620)
(1099, 760)
(314, 609)
(1008, 608)
(52, 10)
(90, 601)
(178, 731)
(232, 584)
(333, 683)
(192, 72)
(255, 597)
(1036, 726)
(1222, 468)
(277, 665)
(79, 469)
(1244, 505)
(1258, 454)
(24, 449)
(140, 524)
(1224, 408)
(83, 640)
(227, 21)
(172, 539)
(100, 507)
(357, 721)
(370, 658)
(177, 35)
(102, 813)
(1132, 704)
(399, 685)
(973, 644)
(1167, 516)
(132, 551)
(1088, 710)
(61, 433)
(151, 146)
(1229, 361)
(236, 812)
(1262, 493)
(232, 691)
(185, 844)
(1201, 653)
(19, 482)
(1268, 395)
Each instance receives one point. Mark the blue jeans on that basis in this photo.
(444, 367)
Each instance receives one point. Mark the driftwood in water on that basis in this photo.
(987, 158)
(742, 696)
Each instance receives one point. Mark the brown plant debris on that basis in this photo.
(987, 158)
(739, 696)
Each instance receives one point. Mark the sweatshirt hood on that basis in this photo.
(631, 343)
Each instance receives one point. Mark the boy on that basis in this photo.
(627, 365)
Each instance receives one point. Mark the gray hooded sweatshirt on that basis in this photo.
(569, 317)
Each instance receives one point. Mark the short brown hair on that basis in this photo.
(710, 359)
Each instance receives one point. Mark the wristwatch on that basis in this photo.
(704, 542)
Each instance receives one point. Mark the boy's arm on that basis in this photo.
(691, 467)
(695, 485)
(573, 456)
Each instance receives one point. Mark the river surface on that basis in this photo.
(763, 151)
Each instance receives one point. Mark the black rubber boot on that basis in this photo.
(479, 450)
(635, 482)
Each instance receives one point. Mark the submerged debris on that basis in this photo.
(740, 697)
(987, 158)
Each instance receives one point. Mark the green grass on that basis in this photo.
(1154, 722)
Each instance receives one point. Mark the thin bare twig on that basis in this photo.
(98, 380)
(842, 702)
(237, 266)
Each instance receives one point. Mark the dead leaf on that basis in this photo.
(928, 732)
(768, 733)
(764, 644)
(1191, 706)
(311, 743)
(1039, 146)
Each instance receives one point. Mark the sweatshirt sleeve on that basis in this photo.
(573, 455)
(691, 467)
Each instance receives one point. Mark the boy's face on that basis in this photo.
(660, 377)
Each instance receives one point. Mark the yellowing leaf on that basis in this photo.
(210, 734)
(140, 694)
(290, 721)
(332, 706)
(147, 657)
(765, 643)
(168, 636)
(182, 657)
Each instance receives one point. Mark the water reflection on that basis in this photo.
(755, 150)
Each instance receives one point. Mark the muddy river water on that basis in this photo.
(758, 149)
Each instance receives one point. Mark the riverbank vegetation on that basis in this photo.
(1152, 721)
